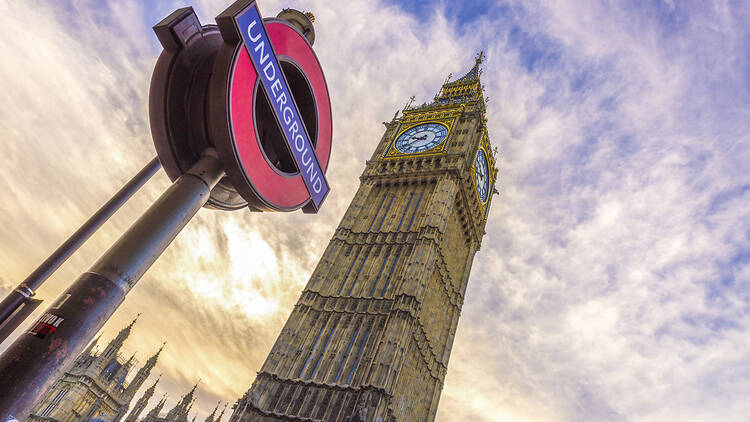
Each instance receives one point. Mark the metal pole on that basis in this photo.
(16, 318)
(40, 355)
(24, 291)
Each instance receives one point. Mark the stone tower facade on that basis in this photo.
(371, 335)
(95, 386)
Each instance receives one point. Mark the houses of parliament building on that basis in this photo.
(94, 388)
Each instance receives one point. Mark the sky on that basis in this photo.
(613, 283)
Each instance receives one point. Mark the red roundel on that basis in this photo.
(269, 188)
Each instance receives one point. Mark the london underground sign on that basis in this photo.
(257, 94)
(258, 45)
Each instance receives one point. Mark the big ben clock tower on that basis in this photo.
(371, 335)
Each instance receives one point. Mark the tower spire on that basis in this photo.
(411, 100)
(221, 415)
(114, 346)
(151, 362)
(153, 414)
(463, 91)
(479, 57)
(87, 356)
(140, 405)
(475, 72)
(181, 409)
(144, 372)
(210, 417)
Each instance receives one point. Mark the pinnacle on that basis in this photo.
(475, 72)
(152, 360)
(138, 315)
(126, 331)
(155, 382)
(221, 415)
(210, 417)
(479, 57)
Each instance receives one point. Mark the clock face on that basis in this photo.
(421, 138)
(482, 175)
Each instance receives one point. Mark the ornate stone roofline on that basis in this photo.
(350, 304)
(278, 416)
(448, 103)
(415, 170)
(326, 385)
(117, 396)
(354, 305)
(249, 405)
(383, 238)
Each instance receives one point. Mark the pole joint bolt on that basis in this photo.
(24, 290)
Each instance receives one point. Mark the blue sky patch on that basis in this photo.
(462, 12)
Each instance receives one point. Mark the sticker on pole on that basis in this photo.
(47, 324)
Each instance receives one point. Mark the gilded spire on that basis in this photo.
(464, 91)
(475, 72)
(411, 101)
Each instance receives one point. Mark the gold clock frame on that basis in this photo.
(484, 145)
(392, 152)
